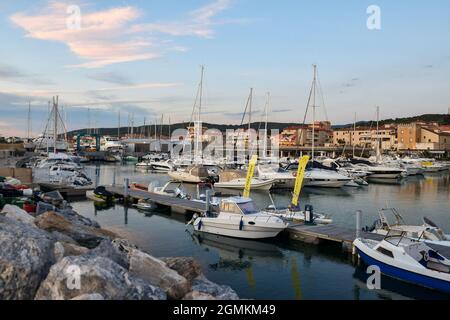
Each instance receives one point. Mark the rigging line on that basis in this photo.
(245, 111)
(370, 131)
(194, 106)
(322, 97)
(306, 111)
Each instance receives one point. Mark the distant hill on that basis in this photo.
(442, 119)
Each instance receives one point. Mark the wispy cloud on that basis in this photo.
(199, 22)
(111, 77)
(115, 35)
(14, 74)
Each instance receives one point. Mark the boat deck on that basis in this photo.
(176, 204)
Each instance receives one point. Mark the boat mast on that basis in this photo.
(354, 135)
(314, 112)
(29, 121)
(199, 126)
(378, 135)
(55, 115)
(265, 126)
(118, 126)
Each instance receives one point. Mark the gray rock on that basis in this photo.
(58, 236)
(195, 295)
(86, 236)
(107, 249)
(26, 255)
(64, 249)
(157, 273)
(185, 266)
(93, 296)
(96, 275)
(221, 292)
(73, 216)
(18, 214)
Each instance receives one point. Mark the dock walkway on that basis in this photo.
(176, 204)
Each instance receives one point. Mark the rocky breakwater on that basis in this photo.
(61, 255)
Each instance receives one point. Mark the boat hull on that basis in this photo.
(325, 183)
(405, 275)
(231, 229)
(265, 185)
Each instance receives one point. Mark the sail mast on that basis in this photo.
(265, 126)
(354, 135)
(314, 112)
(55, 115)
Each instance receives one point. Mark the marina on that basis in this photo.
(225, 150)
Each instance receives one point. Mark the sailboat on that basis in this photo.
(320, 177)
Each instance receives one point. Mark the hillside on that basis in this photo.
(442, 119)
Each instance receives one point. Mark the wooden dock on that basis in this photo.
(177, 205)
(67, 192)
(322, 234)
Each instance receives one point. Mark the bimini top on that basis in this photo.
(237, 200)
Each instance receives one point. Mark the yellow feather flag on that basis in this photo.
(299, 179)
(250, 172)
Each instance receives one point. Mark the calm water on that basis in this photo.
(279, 269)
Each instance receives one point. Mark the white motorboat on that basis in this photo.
(239, 218)
(407, 260)
(297, 215)
(379, 172)
(282, 177)
(325, 178)
(57, 158)
(239, 184)
(156, 165)
(192, 174)
(171, 188)
(428, 231)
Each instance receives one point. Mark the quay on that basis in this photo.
(177, 205)
(68, 192)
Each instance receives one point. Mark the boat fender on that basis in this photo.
(200, 223)
(241, 224)
(426, 256)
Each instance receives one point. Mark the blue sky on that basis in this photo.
(144, 57)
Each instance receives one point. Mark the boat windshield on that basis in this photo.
(248, 207)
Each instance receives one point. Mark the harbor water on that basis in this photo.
(279, 268)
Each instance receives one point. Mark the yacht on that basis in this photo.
(156, 165)
(239, 218)
(377, 172)
(57, 158)
(408, 260)
(297, 215)
(282, 177)
(321, 177)
(239, 184)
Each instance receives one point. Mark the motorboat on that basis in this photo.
(58, 158)
(156, 165)
(192, 174)
(66, 174)
(282, 178)
(376, 171)
(240, 218)
(317, 175)
(428, 231)
(295, 214)
(325, 178)
(239, 184)
(408, 260)
(172, 189)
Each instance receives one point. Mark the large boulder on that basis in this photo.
(65, 249)
(92, 296)
(84, 235)
(185, 266)
(201, 285)
(18, 214)
(159, 274)
(73, 277)
(73, 216)
(110, 249)
(26, 255)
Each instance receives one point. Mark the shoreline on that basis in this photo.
(66, 256)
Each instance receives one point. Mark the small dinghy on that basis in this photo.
(407, 260)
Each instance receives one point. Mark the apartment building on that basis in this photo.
(366, 137)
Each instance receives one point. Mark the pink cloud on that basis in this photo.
(114, 35)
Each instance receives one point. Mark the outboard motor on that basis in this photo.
(309, 214)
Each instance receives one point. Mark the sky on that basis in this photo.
(143, 58)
